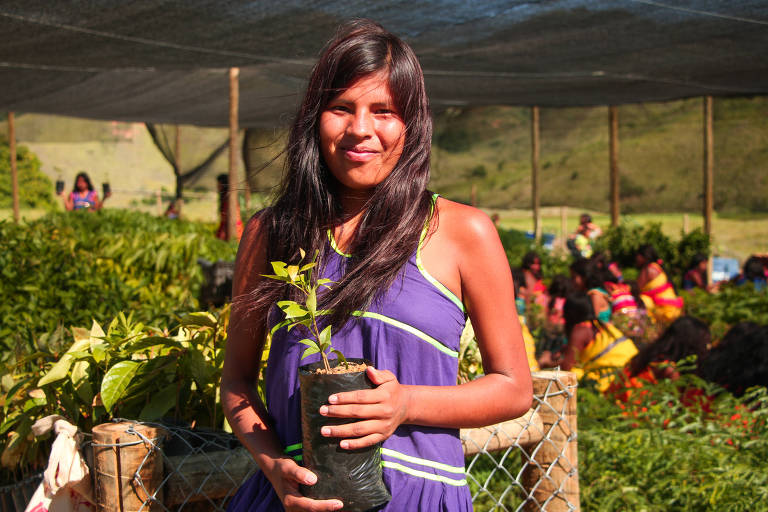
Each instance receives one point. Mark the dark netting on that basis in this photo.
(160, 61)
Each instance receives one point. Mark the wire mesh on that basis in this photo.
(525, 464)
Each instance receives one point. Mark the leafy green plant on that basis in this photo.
(130, 370)
(35, 188)
(300, 277)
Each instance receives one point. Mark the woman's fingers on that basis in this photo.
(294, 501)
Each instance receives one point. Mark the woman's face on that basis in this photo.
(81, 184)
(362, 133)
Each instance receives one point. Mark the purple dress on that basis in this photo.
(414, 333)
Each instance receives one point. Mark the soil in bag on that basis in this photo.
(353, 476)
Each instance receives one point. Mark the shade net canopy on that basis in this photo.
(167, 60)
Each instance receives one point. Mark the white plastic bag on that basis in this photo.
(66, 485)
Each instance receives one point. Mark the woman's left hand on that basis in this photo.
(380, 410)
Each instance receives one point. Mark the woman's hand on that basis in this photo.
(381, 410)
(286, 476)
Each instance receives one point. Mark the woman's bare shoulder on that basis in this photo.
(463, 222)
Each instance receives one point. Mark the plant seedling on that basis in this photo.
(300, 277)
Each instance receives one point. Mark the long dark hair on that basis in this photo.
(87, 179)
(577, 309)
(307, 203)
(685, 336)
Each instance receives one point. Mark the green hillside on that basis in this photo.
(660, 156)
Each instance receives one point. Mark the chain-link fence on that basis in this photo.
(529, 463)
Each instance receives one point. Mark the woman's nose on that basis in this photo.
(361, 124)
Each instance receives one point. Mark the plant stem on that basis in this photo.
(317, 339)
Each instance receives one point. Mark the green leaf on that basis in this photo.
(199, 320)
(293, 271)
(302, 252)
(160, 403)
(96, 332)
(81, 382)
(292, 309)
(7, 382)
(325, 335)
(116, 381)
(339, 355)
(279, 268)
(312, 302)
(308, 342)
(57, 372)
(307, 267)
(310, 351)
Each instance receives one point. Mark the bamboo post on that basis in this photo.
(613, 118)
(552, 476)
(234, 99)
(14, 170)
(564, 227)
(535, 200)
(686, 224)
(709, 163)
(128, 469)
(159, 202)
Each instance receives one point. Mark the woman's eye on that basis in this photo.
(338, 108)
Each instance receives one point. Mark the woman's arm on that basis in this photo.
(241, 403)
(69, 203)
(468, 258)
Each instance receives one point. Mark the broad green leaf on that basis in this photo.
(7, 382)
(199, 320)
(302, 252)
(279, 268)
(160, 403)
(309, 352)
(96, 332)
(293, 271)
(99, 351)
(79, 334)
(306, 267)
(116, 381)
(308, 342)
(324, 346)
(325, 335)
(12, 419)
(306, 322)
(285, 279)
(57, 372)
(312, 302)
(81, 382)
(292, 309)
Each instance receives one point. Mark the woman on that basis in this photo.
(537, 290)
(588, 276)
(597, 348)
(696, 275)
(654, 284)
(357, 166)
(83, 195)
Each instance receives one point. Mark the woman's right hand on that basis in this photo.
(286, 476)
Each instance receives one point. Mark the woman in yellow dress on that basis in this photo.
(595, 348)
(654, 284)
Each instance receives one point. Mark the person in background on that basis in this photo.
(580, 242)
(753, 272)
(520, 293)
(655, 284)
(222, 233)
(589, 276)
(696, 275)
(685, 337)
(537, 291)
(740, 360)
(172, 212)
(83, 195)
(595, 349)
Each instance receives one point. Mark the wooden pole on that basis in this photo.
(551, 472)
(709, 164)
(535, 172)
(14, 170)
(686, 224)
(159, 202)
(234, 101)
(127, 469)
(613, 118)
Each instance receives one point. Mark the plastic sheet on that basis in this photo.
(353, 476)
